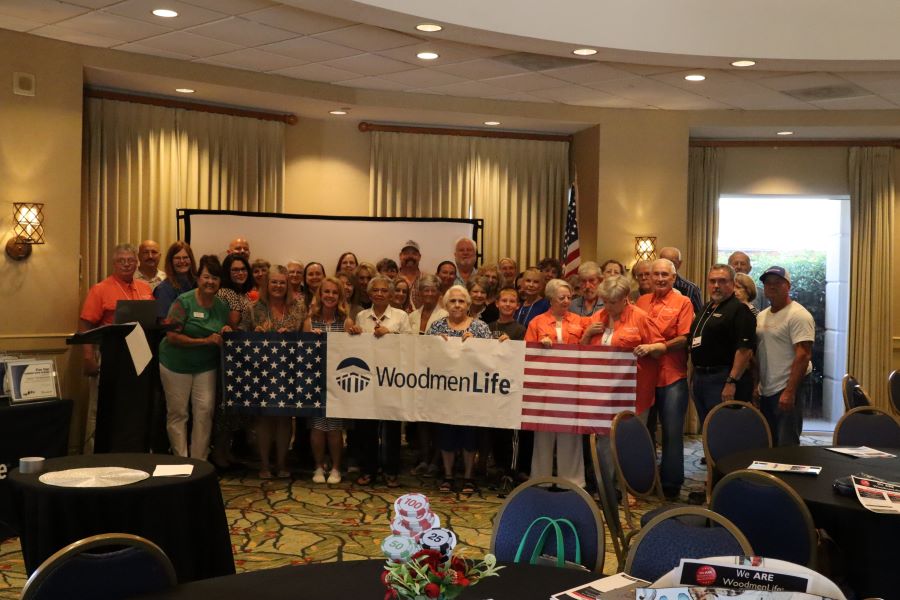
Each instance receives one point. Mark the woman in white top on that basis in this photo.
(429, 311)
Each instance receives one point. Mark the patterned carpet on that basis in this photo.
(288, 522)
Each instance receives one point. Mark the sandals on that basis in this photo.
(468, 487)
(364, 479)
(446, 485)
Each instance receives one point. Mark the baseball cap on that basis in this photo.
(780, 271)
(411, 244)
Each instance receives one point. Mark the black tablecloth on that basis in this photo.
(867, 540)
(29, 429)
(360, 579)
(185, 516)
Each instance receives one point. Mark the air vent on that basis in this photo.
(828, 92)
(537, 62)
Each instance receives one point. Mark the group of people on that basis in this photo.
(731, 351)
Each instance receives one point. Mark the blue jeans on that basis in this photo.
(707, 388)
(671, 405)
(787, 426)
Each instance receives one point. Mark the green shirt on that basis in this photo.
(194, 321)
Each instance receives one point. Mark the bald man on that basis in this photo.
(740, 262)
(687, 288)
(148, 264)
(239, 246)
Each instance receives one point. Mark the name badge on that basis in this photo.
(695, 342)
(199, 315)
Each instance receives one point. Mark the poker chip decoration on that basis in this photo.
(412, 522)
(412, 516)
(399, 548)
(440, 539)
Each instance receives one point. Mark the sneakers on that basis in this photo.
(319, 475)
(334, 477)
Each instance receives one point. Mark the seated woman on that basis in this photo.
(189, 359)
(557, 326)
(328, 312)
(276, 310)
(451, 438)
(480, 289)
(347, 263)
(181, 276)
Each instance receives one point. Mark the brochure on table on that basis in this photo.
(745, 573)
(862, 452)
(760, 465)
(709, 593)
(876, 494)
(32, 379)
(4, 380)
(602, 588)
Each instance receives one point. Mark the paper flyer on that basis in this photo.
(876, 494)
(138, 348)
(32, 379)
(711, 593)
(601, 587)
(747, 573)
(862, 452)
(760, 465)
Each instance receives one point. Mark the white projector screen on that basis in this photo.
(280, 238)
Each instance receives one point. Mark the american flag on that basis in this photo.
(571, 252)
(274, 373)
(576, 389)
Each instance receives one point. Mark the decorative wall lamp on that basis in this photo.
(28, 229)
(644, 248)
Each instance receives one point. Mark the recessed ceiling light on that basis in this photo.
(785, 133)
(695, 77)
(427, 55)
(584, 52)
(428, 27)
(343, 111)
(743, 63)
(492, 123)
(165, 13)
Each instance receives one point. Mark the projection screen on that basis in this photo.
(279, 238)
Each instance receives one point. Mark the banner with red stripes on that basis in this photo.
(570, 388)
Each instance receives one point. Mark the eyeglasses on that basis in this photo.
(126, 261)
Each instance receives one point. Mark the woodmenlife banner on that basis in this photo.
(425, 378)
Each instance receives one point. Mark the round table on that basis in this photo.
(360, 579)
(185, 516)
(866, 539)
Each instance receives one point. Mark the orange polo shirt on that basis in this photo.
(673, 315)
(633, 329)
(100, 305)
(545, 324)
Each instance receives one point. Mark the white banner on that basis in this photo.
(425, 378)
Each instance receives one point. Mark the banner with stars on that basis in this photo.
(274, 373)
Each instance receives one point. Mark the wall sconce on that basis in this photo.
(28, 229)
(644, 248)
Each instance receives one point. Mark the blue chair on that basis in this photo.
(669, 537)
(853, 393)
(894, 389)
(770, 513)
(634, 454)
(555, 498)
(867, 426)
(732, 427)
(110, 566)
(605, 479)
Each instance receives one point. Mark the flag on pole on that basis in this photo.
(571, 251)
(576, 389)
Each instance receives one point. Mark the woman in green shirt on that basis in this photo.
(189, 358)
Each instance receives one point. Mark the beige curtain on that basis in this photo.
(517, 186)
(703, 214)
(871, 230)
(143, 162)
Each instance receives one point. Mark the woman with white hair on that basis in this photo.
(589, 301)
(557, 326)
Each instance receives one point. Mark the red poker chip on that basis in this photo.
(415, 524)
(412, 506)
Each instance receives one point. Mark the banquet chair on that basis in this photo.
(894, 390)
(668, 538)
(109, 566)
(634, 455)
(770, 513)
(867, 426)
(608, 503)
(853, 393)
(732, 427)
(555, 498)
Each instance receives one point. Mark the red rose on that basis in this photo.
(458, 564)
(385, 576)
(432, 590)
(391, 594)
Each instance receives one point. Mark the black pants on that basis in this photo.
(378, 442)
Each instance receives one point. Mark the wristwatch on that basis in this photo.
(730, 379)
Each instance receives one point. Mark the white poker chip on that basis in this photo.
(442, 540)
(399, 548)
(412, 506)
(426, 522)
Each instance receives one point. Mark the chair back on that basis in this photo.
(867, 426)
(555, 498)
(854, 394)
(109, 566)
(732, 427)
(635, 455)
(668, 538)
(606, 490)
(894, 389)
(770, 513)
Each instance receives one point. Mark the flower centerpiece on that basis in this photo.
(427, 575)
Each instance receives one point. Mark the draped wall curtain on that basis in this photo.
(871, 231)
(703, 214)
(517, 186)
(143, 162)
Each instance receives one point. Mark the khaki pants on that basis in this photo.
(198, 390)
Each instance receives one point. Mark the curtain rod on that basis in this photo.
(287, 118)
(698, 143)
(365, 126)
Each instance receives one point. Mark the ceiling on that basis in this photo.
(283, 39)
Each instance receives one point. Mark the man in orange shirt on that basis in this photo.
(673, 314)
